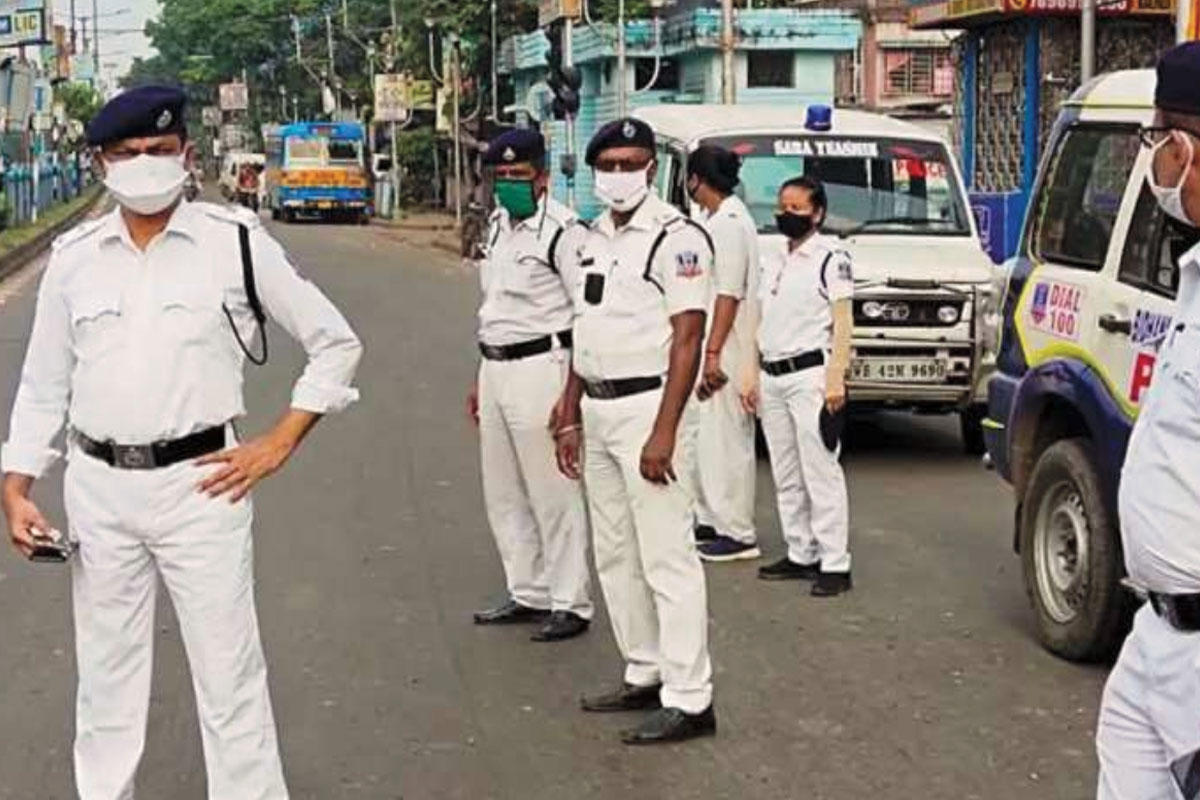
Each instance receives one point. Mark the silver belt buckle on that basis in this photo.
(134, 456)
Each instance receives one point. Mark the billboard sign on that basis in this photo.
(945, 13)
(393, 98)
(550, 11)
(24, 25)
(234, 97)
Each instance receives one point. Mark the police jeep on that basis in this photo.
(1087, 304)
(926, 296)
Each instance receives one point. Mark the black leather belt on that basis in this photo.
(622, 387)
(806, 360)
(533, 347)
(1180, 611)
(157, 455)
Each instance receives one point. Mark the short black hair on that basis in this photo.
(814, 187)
(715, 166)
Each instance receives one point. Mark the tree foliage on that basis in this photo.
(80, 100)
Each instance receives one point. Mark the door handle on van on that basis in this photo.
(1114, 324)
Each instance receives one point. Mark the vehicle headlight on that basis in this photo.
(872, 309)
(948, 314)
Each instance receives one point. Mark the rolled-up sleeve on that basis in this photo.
(45, 388)
(300, 308)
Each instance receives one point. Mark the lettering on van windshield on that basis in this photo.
(827, 148)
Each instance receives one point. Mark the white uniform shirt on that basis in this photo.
(1160, 483)
(525, 295)
(797, 309)
(735, 263)
(133, 345)
(625, 332)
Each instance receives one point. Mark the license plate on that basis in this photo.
(900, 370)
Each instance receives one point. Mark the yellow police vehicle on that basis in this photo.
(926, 294)
(1087, 305)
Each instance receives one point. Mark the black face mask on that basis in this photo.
(795, 226)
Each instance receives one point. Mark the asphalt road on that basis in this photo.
(925, 682)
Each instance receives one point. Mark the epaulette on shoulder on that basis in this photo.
(681, 223)
(234, 215)
(78, 233)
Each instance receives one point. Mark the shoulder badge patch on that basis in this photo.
(687, 264)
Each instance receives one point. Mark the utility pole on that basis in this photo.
(391, 56)
(96, 38)
(622, 102)
(73, 51)
(568, 61)
(728, 87)
(455, 67)
(495, 70)
(1087, 29)
(333, 80)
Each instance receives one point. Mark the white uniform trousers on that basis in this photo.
(537, 515)
(133, 526)
(646, 558)
(1150, 715)
(810, 487)
(721, 465)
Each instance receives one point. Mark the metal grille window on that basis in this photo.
(770, 69)
(918, 71)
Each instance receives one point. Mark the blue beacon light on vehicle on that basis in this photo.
(819, 118)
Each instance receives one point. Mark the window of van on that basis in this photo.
(1152, 249)
(874, 185)
(1082, 196)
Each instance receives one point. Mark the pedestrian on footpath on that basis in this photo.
(645, 287)
(804, 344)
(537, 515)
(1148, 737)
(137, 342)
(721, 462)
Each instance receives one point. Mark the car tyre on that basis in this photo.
(970, 422)
(1071, 556)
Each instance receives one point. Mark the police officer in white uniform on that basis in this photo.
(1148, 738)
(804, 341)
(722, 464)
(645, 287)
(537, 515)
(134, 343)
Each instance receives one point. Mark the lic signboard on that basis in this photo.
(22, 23)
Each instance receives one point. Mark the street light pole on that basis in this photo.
(568, 61)
(1087, 29)
(391, 54)
(96, 38)
(456, 88)
(728, 96)
(495, 70)
(621, 79)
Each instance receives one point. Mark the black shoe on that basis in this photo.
(511, 613)
(787, 570)
(562, 625)
(626, 698)
(704, 533)
(672, 725)
(831, 584)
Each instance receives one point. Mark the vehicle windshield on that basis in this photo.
(345, 151)
(306, 151)
(874, 186)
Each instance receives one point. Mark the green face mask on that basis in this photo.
(517, 197)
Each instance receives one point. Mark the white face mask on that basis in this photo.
(622, 191)
(1170, 199)
(146, 184)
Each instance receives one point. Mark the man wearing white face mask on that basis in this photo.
(644, 282)
(1148, 738)
(138, 341)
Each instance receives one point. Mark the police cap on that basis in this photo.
(144, 111)
(627, 132)
(1178, 86)
(516, 146)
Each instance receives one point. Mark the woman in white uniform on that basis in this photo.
(721, 462)
(804, 346)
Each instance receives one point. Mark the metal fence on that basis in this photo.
(21, 195)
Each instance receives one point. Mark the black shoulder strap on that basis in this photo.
(824, 278)
(551, 259)
(248, 275)
(252, 300)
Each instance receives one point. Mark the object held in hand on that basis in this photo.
(52, 548)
